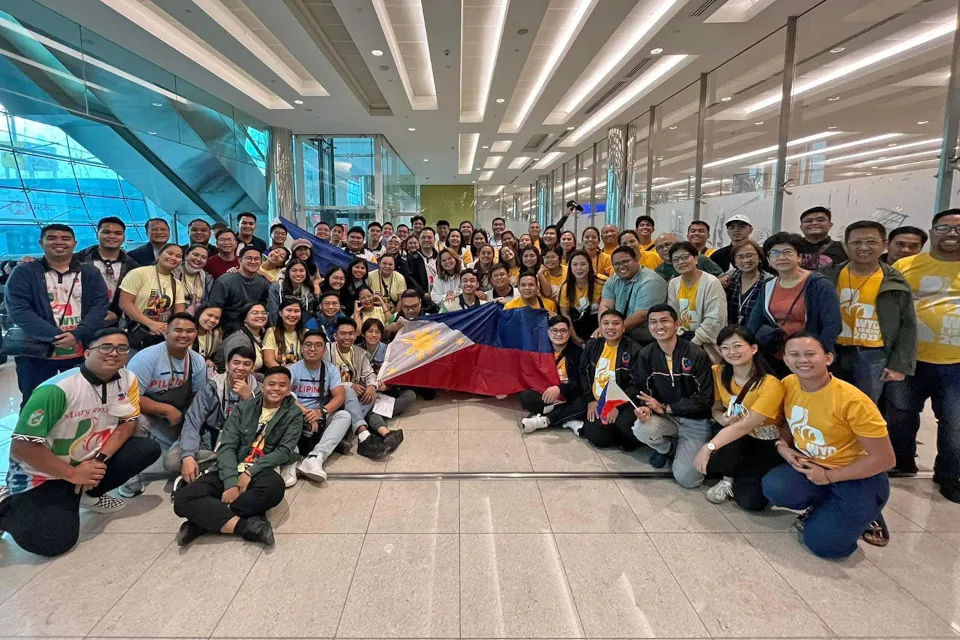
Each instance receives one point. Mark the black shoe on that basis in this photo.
(658, 460)
(939, 479)
(188, 533)
(907, 468)
(801, 520)
(344, 447)
(373, 447)
(393, 439)
(950, 489)
(259, 530)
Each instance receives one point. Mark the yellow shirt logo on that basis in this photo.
(808, 439)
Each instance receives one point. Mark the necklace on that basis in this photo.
(866, 279)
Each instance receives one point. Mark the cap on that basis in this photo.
(302, 242)
(738, 218)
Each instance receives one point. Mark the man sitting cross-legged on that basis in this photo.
(233, 497)
(316, 386)
(563, 404)
(72, 444)
(193, 452)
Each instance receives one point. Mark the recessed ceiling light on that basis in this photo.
(377, 52)
(772, 158)
(486, 146)
(923, 122)
(656, 51)
(758, 123)
(426, 159)
(832, 127)
(477, 168)
(570, 128)
(892, 144)
(833, 98)
(501, 100)
(157, 104)
(153, 133)
(726, 99)
(838, 49)
(298, 102)
(411, 128)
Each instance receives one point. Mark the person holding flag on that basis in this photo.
(675, 378)
(606, 381)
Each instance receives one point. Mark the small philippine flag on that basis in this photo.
(611, 398)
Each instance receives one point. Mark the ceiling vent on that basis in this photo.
(533, 144)
(640, 65)
(596, 105)
(703, 8)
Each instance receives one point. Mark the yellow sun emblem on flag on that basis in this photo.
(421, 343)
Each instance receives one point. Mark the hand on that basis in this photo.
(592, 411)
(721, 419)
(815, 473)
(611, 416)
(233, 270)
(356, 307)
(378, 300)
(643, 413)
(173, 415)
(596, 333)
(725, 281)
(88, 473)
(451, 296)
(793, 457)
(551, 395)
(157, 328)
(189, 469)
(312, 415)
(369, 394)
(654, 404)
(357, 389)
(65, 340)
(702, 459)
(382, 386)
(892, 376)
(243, 481)
(242, 389)
(230, 495)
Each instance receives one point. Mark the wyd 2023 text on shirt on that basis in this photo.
(66, 415)
(827, 424)
(936, 296)
(858, 309)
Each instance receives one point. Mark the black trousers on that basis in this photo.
(618, 434)
(746, 460)
(532, 403)
(46, 520)
(199, 501)
(32, 372)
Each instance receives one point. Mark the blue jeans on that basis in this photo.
(691, 434)
(904, 402)
(841, 511)
(862, 367)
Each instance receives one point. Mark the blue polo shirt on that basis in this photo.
(641, 292)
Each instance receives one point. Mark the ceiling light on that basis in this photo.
(476, 168)
(298, 102)
(835, 72)
(426, 159)
(758, 123)
(547, 160)
(492, 162)
(833, 98)
(479, 46)
(690, 181)
(377, 52)
(831, 127)
(411, 128)
(726, 99)
(878, 152)
(413, 59)
(570, 128)
(838, 147)
(501, 146)
(157, 104)
(518, 162)
(486, 146)
(673, 127)
(629, 96)
(486, 175)
(555, 39)
(914, 164)
(467, 150)
(765, 150)
(924, 122)
(153, 133)
(892, 144)
(838, 49)
(501, 100)
(886, 159)
(656, 51)
(738, 11)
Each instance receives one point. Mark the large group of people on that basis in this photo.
(793, 372)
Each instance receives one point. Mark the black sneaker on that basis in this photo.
(801, 520)
(344, 447)
(188, 533)
(658, 460)
(259, 530)
(373, 447)
(393, 440)
(950, 489)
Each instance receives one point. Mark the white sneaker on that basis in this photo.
(312, 468)
(132, 487)
(289, 474)
(103, 504)
(718, 493)
(535, 423)
(573, 425)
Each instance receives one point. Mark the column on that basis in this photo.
(620, 143)
(951, 129)
(280, 174)
(789, 70)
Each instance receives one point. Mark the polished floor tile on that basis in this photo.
(951, 539)
(558, 449)
(425, 451)
(151, 512)
(185, 592)
(336, 506)
(616, 460)
(623, 589)
(77, 589)
(405, 586)
(435, 416)
(354, 463)
(408, 506)
(502, 506)
(493, 450)
(663, 506)
(307, 577)
(18, 567)
(513, 586)
(482, 416)
(919, 500)
(587, 506)
(734, 589)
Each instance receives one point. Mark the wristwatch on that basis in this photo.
(711, 447)
(100, 457)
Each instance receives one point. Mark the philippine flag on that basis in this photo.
(324, 254)
(612, 397)
(487, 350)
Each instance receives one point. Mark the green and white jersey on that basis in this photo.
(67, 414)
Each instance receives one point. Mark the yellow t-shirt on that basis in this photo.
(152, 292)
(687, 303)
(648, 247)
(602, 264)
(256, 449)
(827, 425)
(518, 303)
(375, 312)
(580, 301)
(562, 369)
(858, 309)
(606, 368)
(765, 398)
(650, 259)
(936, 296)
(271, 274)
(291, 346)
(709, 251)
(609, 251)
(555, 282)
(514, 276)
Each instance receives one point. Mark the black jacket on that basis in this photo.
(571, 355)
(240, 430)
(689, 391)
(232, 292)
(628, 352)
(143, 255)
(819, 255)
(413, 267)
(126, 265)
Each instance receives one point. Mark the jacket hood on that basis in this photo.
(91, 251)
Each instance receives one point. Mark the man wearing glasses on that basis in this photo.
(632, 290)
(111, 261)
(819, 249)
(72, 444)
(234, 291)
(563, 405)
(934, 279)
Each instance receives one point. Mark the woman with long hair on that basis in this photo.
(591, 246)
(477, 242)
(295, 283)
(357, 274)
(334, 282)
(568, 243)
(747, 410)
(549, 238)
(368, 305)
(250, 334)
(454, 242)
(525, 242)
(446, 286)
(371, 334)
(196, 282)
(209, 334)
(508, 256)
(275, 261)
(509, 239)
(486, 258)
(552, 274)
(303, 250)
(743, 288)
(282, 343)
(150, 295)
(530, 261)
(580, 296)
(387, 282)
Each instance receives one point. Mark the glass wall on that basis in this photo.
(400, 198)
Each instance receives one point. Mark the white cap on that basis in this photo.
(738, 218)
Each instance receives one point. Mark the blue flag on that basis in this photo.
(324, 254)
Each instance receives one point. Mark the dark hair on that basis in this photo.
(644, 218)
(410, 293)
(357, 229)
(333, 270)
(244, 312)
(865, 224)
(279, 330)
(225, 230)
(387, 223)
(469, 272)
(463, 222)
(182, 315)
(571, 282)
(461, 248)
(56, 227)
(431, 230)
(627, 250)
(760, 366)
(911, 230)
(701, 223)
(418, 217)
(442, 222)
(817, 209)
(555, 320)
(196, 245)
(277, 226)
(111, 220)
(807, 334)
(943, 214)
(275, 371)
(613, 312)
(282, 248)
(354, 263)
(662, 308)
(499, 265)
(590, 228)
(245, 214)
(404, 226)
(372, 322)
(218, 225)
(626, 232)
(320, 223)
(524, 274)
(557, 251)
(686, 244)
(441, 272)
(190, 224)
(524, 267)
(247, 248)
(204, 307)
(473, 238)
(494, 220)
(287, 287)
(735, 249)
(783, 237)
(153, 220)
(244, 352)
(343, 227)
(349, 321)
(374, 224)
(315, 333)
(106, 332)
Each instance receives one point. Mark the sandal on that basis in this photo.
(877, 533)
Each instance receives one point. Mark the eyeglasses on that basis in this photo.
(683, 257)
(559, 331)
(312, 346)
(945, 229)
(737, 346)
(786, 253)
(257, 313)
(817, 220)
(622, 264)
(870, 244)
(107, 349)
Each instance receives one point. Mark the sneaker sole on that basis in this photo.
(312, 476)
(102, 510)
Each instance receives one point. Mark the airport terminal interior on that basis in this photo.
(350, 112)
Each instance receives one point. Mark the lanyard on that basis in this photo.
(186, 368)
